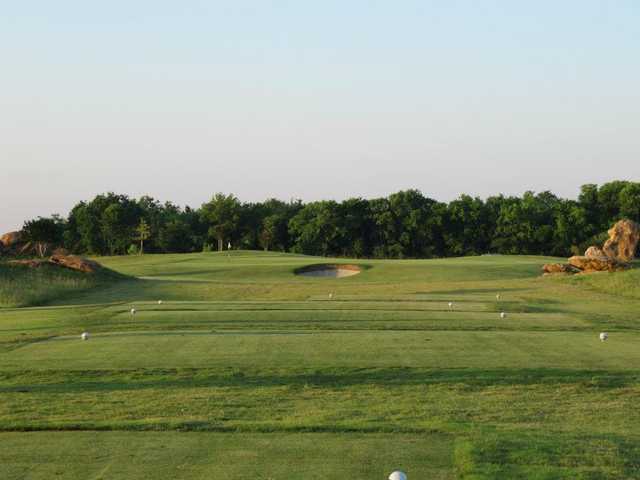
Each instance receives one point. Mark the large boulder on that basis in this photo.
(623, 241)
(551, 268)
(594, 252)
(11, 239)
(75, 262)
(596, 264)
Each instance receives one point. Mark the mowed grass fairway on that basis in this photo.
(248, 371)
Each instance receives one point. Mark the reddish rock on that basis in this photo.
(550, 268)
(594, 252)
(75, 262)
(623, 241)
(10, 239)
(591, 264)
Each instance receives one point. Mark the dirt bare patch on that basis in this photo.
(328, 270)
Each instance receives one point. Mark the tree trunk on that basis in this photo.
(41, 249)
(220, 243)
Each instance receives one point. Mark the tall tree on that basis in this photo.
(143, 232)
(356, 228)
(268, 231)
(609, 201)
(409, 225)
(468, 228)
(222, 214)
(315, 229)
(629, 200)
(44, 233)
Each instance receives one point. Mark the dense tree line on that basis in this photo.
(406, 224)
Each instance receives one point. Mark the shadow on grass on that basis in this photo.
(55, 381)
(468, 291)
(558, 455)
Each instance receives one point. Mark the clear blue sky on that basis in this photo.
(313, 99)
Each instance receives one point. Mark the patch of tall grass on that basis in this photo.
(22, 286)
(625, 284)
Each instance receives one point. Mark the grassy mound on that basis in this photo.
(624, 284)
(22, 286)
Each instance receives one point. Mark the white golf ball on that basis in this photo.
(604, 336)
(398, 475)
(133, 311)
(84, 336)
(159, 302)
(503, 315)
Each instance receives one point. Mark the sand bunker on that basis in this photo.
(328, 270)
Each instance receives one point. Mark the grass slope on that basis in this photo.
(21, 286)
(248, 369)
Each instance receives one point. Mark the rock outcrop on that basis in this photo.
(14, 244)
(594, 252)
(550, 268)
(75, 262)
(616, 254)
(61, 251)
(72, 262)
(623, 241)
(11, 239)
(596, 264)
(579, 264)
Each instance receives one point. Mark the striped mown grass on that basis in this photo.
(248, 369)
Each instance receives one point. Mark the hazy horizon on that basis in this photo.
(313, 101)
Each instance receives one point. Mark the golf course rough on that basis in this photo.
(252, 370)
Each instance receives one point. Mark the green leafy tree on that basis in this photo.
(113, 227)
(588, 202)
(629, 199)
(404, 224)
(44, 233)
(315, 228)
(609, 195)
(280, 214)
(268, 232)
(102, 225)
(467, 227)
(409, 225)
(84, 233)
(143, 232)
(176, 236)
(222, 214)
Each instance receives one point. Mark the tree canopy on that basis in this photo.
(406, 224)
